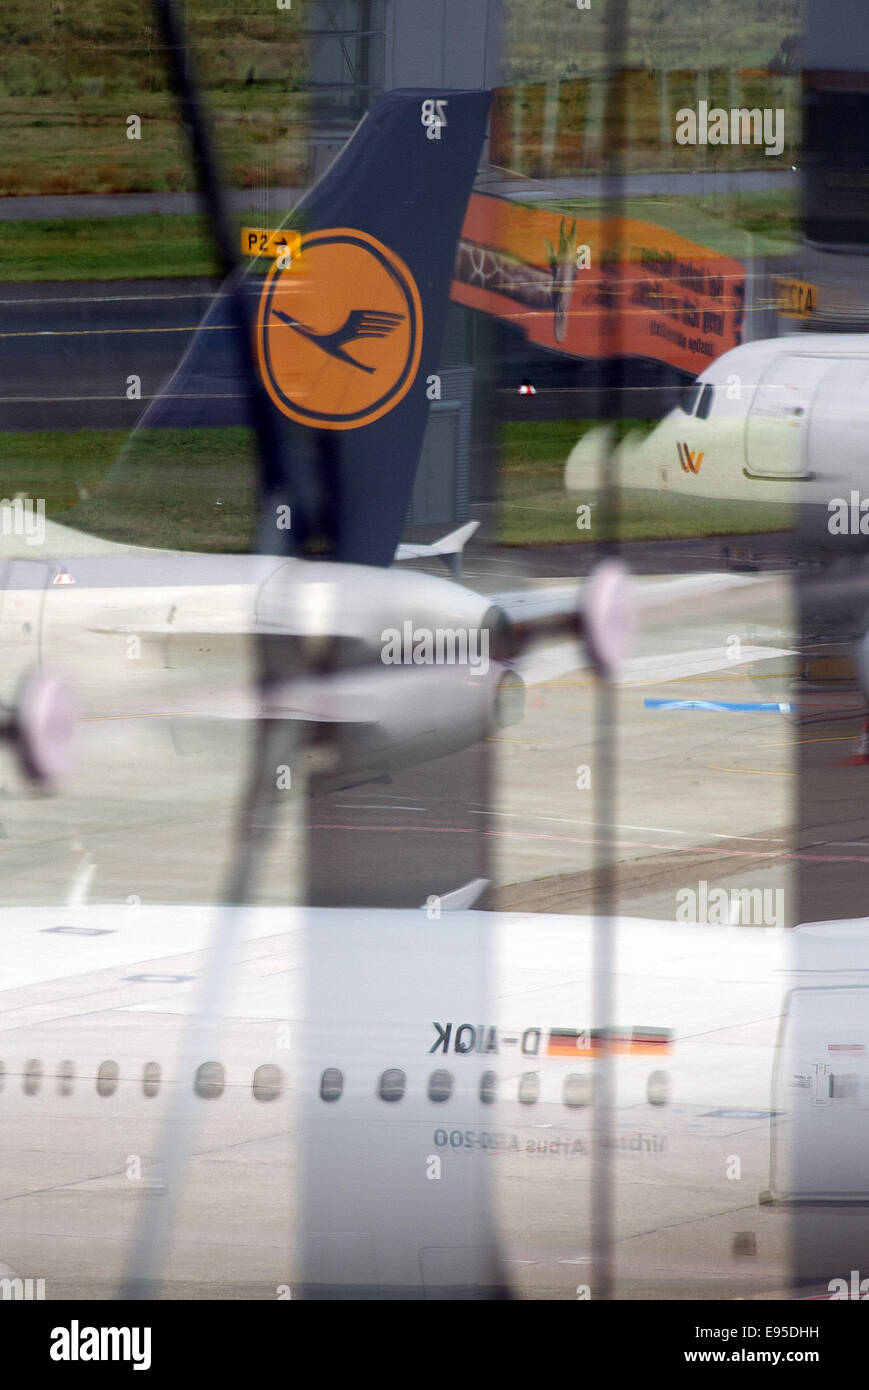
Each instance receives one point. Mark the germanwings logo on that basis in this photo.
(689, 458)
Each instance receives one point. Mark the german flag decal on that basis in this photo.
(587, 1042)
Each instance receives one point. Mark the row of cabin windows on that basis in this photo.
(209, 1081)
(268, 1083)
(576, 1089)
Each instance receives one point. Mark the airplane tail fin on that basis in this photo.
(349, 332)
(348, 306)
(348, 310)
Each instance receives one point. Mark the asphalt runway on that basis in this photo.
(34, 207)
(67, 349)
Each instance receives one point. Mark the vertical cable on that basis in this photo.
(152, 1239)
(605, 882)
(274, 482)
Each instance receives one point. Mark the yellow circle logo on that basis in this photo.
(339, 331)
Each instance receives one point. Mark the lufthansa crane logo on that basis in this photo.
(339, 331)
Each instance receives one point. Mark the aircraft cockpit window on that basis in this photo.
(689, 400)
(488, 1087)
(440, 1086)
(392, 1084)
(150, 1079)
(268, 1082)
(331, 1084)
(107, 1078)
(576, 1090)
(210, 1080)
(704, 405)
(529, 1088)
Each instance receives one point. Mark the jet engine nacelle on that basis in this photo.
(379, 720)
(347, 614)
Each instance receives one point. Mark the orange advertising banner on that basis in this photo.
(559, 279)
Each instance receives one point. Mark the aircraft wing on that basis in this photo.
(546, 662)
(537, 612)
(546, 600)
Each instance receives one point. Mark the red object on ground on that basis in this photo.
(860, 755)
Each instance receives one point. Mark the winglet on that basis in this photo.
(462, 899)
(449, 548)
